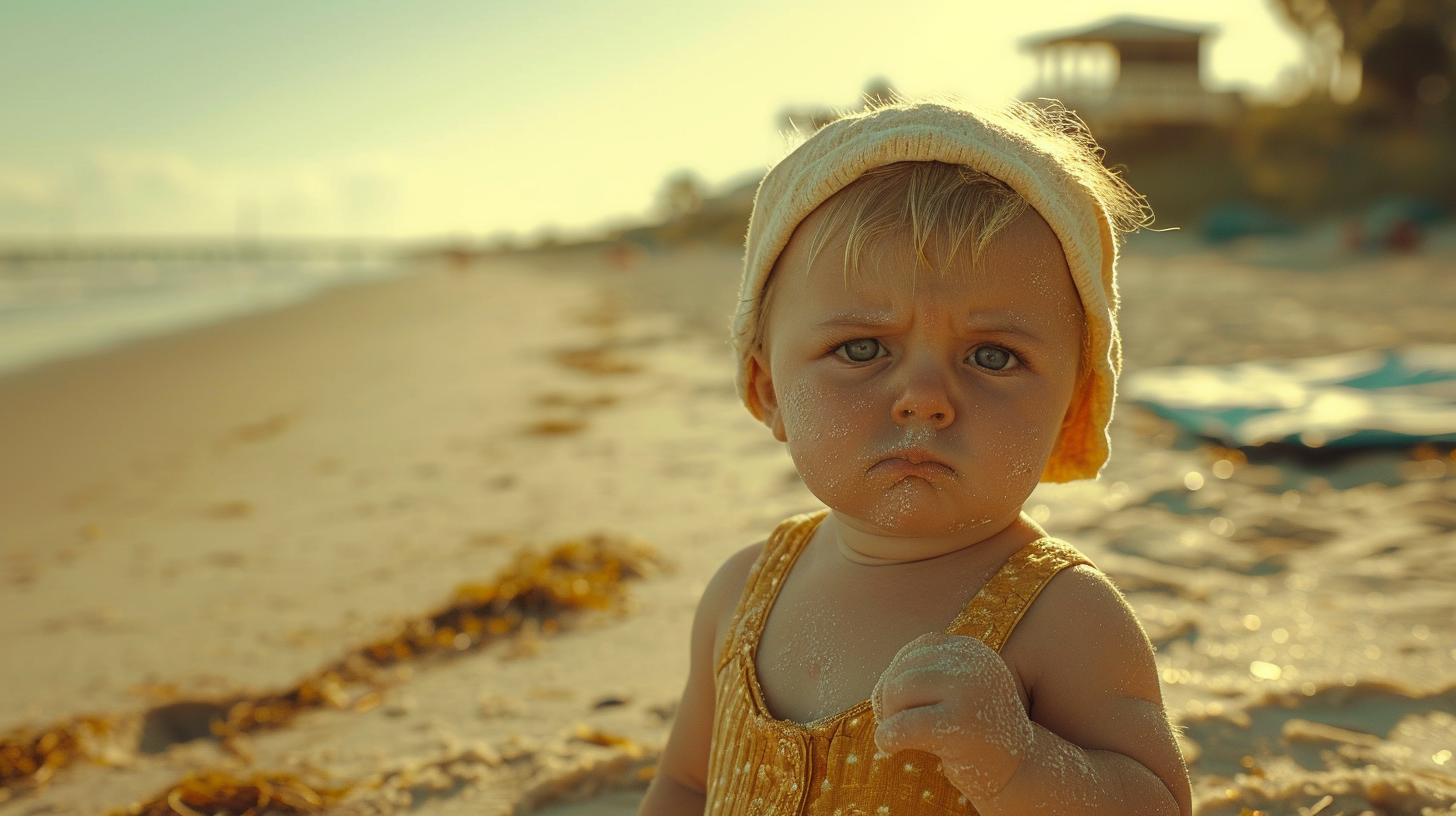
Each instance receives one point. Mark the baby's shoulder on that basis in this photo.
(720, 598)
(732, 576)
(1080, 587)
(1080, 603)
(1081, 637)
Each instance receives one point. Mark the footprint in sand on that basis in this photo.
(596, 360)
(231, 510)
(556, 427)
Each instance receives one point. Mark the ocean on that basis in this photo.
(61, 304)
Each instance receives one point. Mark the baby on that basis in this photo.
(928, 321)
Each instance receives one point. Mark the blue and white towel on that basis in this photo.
(1366, 398)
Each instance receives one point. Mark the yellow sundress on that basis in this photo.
(762, 766)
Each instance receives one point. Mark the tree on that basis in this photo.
(807, 120)
(1404, 47)
(681, 195)
(878, 91)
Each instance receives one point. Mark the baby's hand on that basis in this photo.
(954, 697)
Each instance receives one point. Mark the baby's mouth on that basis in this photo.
(914, 462)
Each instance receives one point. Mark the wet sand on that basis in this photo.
(224, 511)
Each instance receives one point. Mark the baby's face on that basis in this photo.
(915, 403)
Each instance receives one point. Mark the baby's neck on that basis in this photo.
(867, 546)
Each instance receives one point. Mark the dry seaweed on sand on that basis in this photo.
(537, 593)
(212, 793)
(576, 575)
(405, 786)
(595, 736)
(29, 758)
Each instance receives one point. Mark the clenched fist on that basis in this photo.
(952, 696)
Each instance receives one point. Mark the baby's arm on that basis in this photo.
(681, 783)
(1096, 741)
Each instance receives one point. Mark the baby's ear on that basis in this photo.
(761, 391)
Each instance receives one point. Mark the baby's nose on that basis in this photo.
(924, 402)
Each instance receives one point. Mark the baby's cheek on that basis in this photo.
(820, 424)
(1027, 455)
(814, 413)
(795, 401)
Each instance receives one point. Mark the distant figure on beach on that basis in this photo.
(928, 320)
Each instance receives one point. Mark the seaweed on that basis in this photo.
(594, 736)
(536, 593)
(212, 793)
(30, 757)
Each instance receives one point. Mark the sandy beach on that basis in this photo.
(193, 519)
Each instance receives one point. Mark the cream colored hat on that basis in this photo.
(1058, 175)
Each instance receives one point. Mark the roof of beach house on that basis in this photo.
(1123, 29)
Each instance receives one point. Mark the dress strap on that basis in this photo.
(999, 606)
(765, 579)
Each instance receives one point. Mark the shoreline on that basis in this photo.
(82, 307)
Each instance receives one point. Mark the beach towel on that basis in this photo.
(1396, 397)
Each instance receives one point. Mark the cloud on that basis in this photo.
(111, 193)
(24, 187)
(28, 201)
(130, 193)
(369, 200)
(369, 192)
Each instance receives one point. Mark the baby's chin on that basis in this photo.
(919, 526)
(908, 516)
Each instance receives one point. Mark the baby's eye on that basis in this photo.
(994, 358)
(860, 351)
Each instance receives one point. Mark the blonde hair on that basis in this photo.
(948, 207)
(949, 204)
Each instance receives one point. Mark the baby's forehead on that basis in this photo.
(1026, 246)
(1023, 272)
(944, 216)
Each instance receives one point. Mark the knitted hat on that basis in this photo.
(1056, 172)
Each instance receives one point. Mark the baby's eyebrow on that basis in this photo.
(1001, 322)
(858, 320)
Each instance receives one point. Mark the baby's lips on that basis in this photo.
(898, 468)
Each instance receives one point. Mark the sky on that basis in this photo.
(480, 119)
